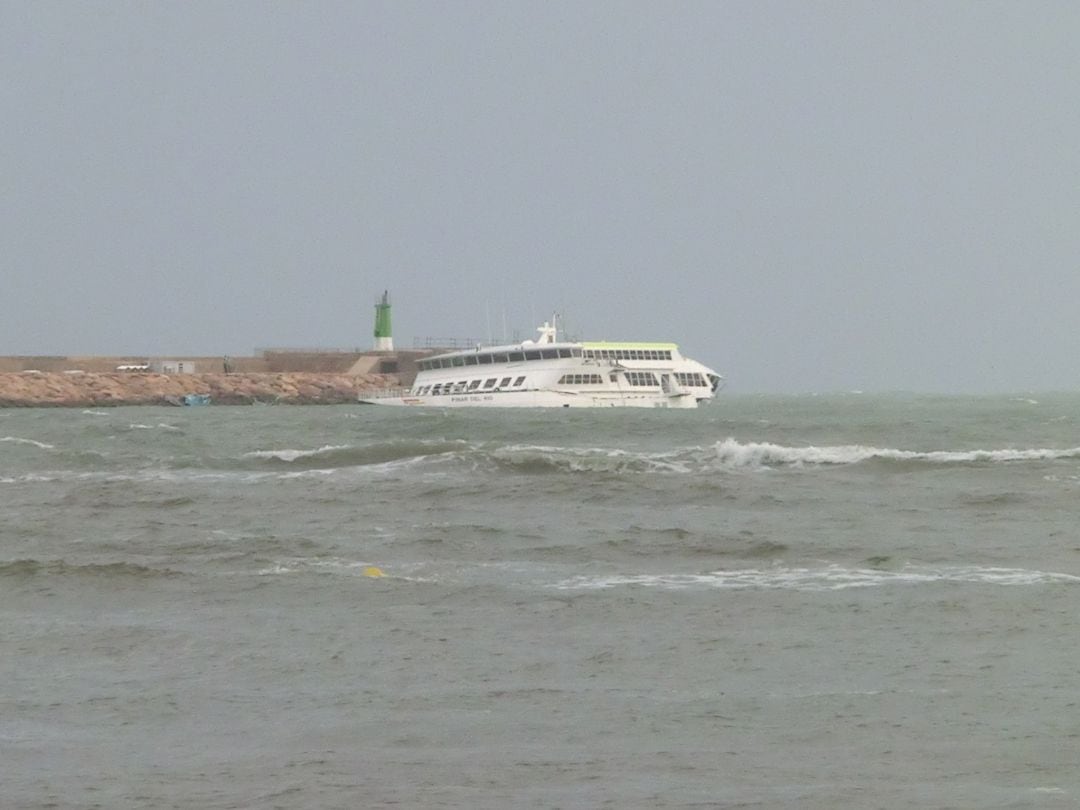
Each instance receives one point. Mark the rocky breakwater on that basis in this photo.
(43, 389)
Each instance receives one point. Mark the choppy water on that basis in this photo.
(819, 602)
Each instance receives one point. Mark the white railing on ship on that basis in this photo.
(383, 393)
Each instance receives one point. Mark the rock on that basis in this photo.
(54, 389)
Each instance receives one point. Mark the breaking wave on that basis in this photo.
(344, 455)
(32, 442)
(831, 578)
(441, 457)
(734, 454)
(539, 459)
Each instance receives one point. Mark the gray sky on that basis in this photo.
(805, 196)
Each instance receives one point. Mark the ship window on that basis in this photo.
(474, 385)
(457, 361)
(501, 358)
(689, 379)
(549, 354)
(641, 378)
(470, 360)
(436, 389)
(575, 352)
(505, 381)
(489, 383)
(485, 359)
(532, 355)
(517, 357)
(565, 353)
(519, 381)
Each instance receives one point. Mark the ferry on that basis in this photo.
(549, 373)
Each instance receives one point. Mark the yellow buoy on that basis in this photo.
(372, 571)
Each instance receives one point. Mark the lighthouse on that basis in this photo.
(384, 342)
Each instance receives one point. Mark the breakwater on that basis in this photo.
(85, 389)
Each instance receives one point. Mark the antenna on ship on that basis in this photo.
(384, 341)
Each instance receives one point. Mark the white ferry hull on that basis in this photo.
(537, 399)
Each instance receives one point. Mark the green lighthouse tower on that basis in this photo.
(384, 342)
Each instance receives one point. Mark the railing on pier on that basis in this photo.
(450, 344)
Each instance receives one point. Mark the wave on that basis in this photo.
(831, 578)
(344, 455)
(540, 459)
(733, 454)
(36, 568)
(18, 440)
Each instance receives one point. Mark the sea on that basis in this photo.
(847, 600)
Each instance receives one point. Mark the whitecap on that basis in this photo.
(293, 455)
(734, 454)
(830, 578)
(18, 440)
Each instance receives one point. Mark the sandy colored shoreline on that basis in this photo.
(71, 390)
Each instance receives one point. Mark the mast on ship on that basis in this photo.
(549, 332)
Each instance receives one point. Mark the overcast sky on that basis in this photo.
(805, 196)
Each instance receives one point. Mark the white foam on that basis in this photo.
(293, 455)
(734, 454)
(17, 440)
(95, 413)
(830, 578)
(330, 564)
